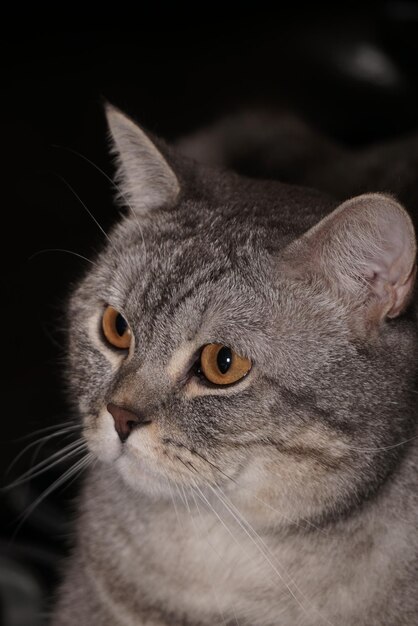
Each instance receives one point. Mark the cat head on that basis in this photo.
(246, 335)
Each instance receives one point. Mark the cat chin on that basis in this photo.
(141, 478)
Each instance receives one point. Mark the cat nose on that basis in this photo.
(125, 420)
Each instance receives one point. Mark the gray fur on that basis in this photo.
(314, 447)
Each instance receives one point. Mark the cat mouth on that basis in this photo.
(173, 459)
(151, 454)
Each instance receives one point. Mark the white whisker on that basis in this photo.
(40, 445)
(217, 554)
(321, 530)
(42, 440)
(44, 466)
(48, 428)
(114, 185)
(266, 552)
(76, 468)
(196, 531)
(208, 504)
(201, 518)
(382, 448)
(172, 497)
(303, 519)
(83, 204)
(184, 498)
(243, 523)
(80, 256)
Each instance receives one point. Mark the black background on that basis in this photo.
(173, 75)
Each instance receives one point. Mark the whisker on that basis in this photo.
(194, 495)
(172, 497)
(303, 519)
(202, 496)
(94, 462)
(184, 497)
(209, 542)
(42, 440)
(80, 465)
(243, 523)
(83, 204)
(382, 448)
(321, 530)
(53, 456)
(42, 443)
(44, 466)
(213, 465)
(114, 185)
(196, 531)
(80, 256)
(248, 529)
(187, 465)
(46, 429)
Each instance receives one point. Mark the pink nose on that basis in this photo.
(125, 420)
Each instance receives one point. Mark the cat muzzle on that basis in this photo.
(126, 420)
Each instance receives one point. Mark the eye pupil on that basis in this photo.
(120, 324)
(224, 359)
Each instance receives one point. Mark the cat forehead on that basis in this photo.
(164, 267)
(174, 272)
(197, 250)
(183, 243)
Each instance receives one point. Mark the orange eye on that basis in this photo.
(116, 329)
(221, 365)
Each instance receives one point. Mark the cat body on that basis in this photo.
(288, 497)
(145, 564)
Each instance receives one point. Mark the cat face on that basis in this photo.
(231, 344)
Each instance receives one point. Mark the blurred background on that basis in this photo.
(353, 74)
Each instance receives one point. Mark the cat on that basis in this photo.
(243, 356)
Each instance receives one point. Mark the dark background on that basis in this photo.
(353, 74)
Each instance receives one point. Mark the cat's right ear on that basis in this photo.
(144, 176)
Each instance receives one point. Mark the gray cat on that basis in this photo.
(244, 358)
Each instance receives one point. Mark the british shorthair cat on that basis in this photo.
(243, 357)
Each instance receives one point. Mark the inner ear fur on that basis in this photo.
(366, 249)
(145, 178)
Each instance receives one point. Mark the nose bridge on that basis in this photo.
(142, 386)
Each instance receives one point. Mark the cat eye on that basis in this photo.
(221, 365)
(116, 329)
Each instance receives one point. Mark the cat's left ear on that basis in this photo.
(146, 179)
(366, 250)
